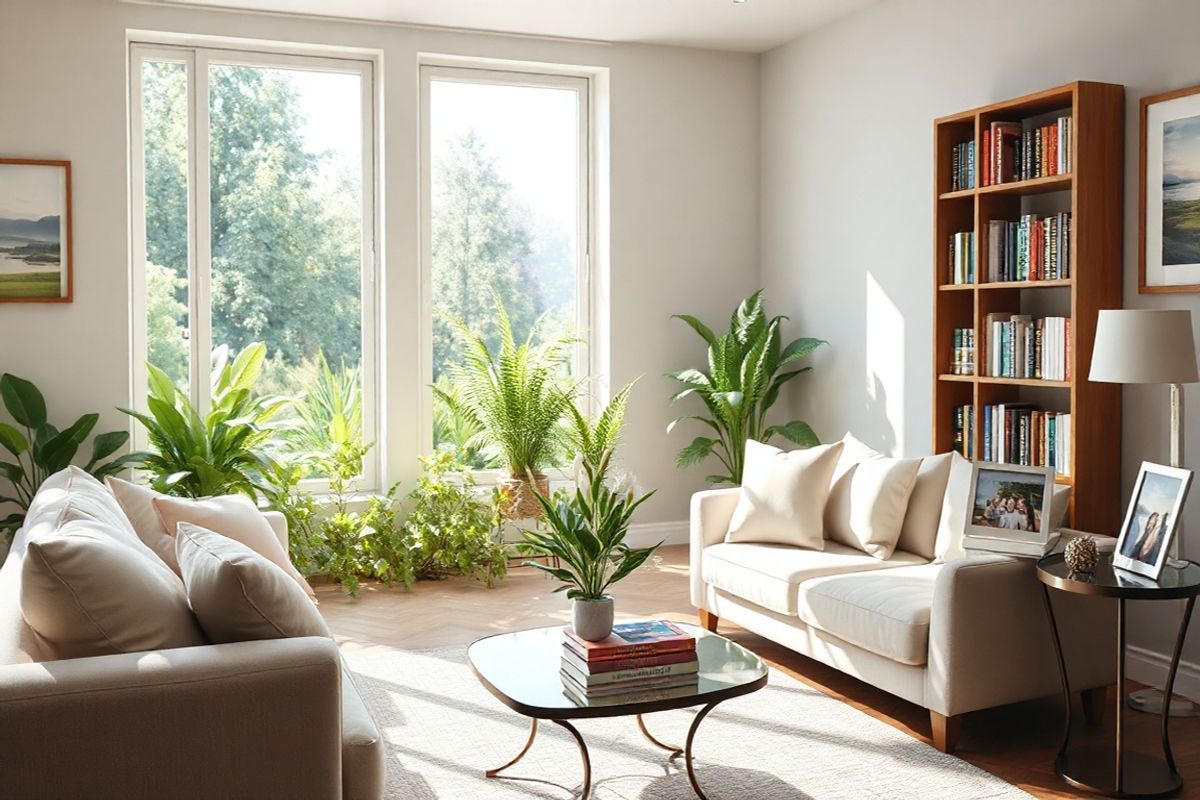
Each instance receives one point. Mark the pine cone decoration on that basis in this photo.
(1081, 554)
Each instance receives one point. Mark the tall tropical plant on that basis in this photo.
(222, 451)
(328, 416)
(515, 397)
(455, 432)
(39, 449)
(747, 367)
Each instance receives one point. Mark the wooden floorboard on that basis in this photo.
(1016, 742)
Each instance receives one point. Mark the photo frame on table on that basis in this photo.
(1151, 519)
(36, 260)
(1169, 193)
(1010, 509)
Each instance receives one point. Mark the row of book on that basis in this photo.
(962, 257)
(962, 357)
(1016, 151)
(964, 431)
(1019, 346)
(638, 661)
(962, 166)
(1031, 249)
(1018, 433)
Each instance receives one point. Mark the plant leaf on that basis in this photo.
(799, 349)
(12, 439)
(795, 431)
(105, 444)
(699, 327)
(23, 401)
(695, 452)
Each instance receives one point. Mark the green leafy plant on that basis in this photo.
(221, 452)
(516, 397)
(43, 449)
(586, 530)
(745, 374)
(456, 432)
(328, 415)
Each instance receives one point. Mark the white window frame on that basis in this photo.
(197, 59)
(585, 362)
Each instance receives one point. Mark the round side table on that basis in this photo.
(1119, 774)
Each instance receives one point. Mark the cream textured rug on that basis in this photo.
(785, 742)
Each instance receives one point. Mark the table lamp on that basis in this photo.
(1150, 346)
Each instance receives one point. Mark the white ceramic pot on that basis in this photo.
(592, 620)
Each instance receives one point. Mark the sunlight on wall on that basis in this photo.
(884, 371)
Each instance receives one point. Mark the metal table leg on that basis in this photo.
(533, 726)
(586, 792)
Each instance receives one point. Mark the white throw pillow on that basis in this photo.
(918, 535)
(236, 517)
(138, 503)
(88, 591)
(783, 495)
(955, 509)
(868, 498)
(237, 594)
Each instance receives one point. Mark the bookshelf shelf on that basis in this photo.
(1092, 193)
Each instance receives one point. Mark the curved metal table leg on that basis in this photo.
(583, 752)
(670, 748)
(533, 726)
(1170, 687)
(1062, 671)
(687, 750)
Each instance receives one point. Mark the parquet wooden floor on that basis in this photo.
(1016, 742)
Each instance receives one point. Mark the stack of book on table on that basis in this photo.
(639, 661)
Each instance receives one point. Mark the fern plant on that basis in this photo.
(746, 371)
(516, 397)
(221, 452)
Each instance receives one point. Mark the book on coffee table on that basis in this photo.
(631, 640)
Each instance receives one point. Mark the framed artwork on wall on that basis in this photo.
(36, 265)
(1169, 193)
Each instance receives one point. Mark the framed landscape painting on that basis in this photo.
(1169, 207)
(35, 231)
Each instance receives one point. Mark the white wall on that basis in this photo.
(847, 210)
(683, 202)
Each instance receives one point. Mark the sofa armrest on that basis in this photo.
(990, 642)
(279, 525)
(709, 521)
(250, 719)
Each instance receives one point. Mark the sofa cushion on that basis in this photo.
(955, 507)
(138, 504)
(868, 498)
(883, 611)
(770, 574)
(363, 770)
(783, 495)
(919, 532)
(236, 517)
(237, 594)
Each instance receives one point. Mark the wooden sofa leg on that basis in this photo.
(945, 731)
(708, 620)
(1094, 702)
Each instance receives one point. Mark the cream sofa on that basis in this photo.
(951, 637)
(275, 718)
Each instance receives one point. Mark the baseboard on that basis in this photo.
(651, 533)
(1148, 667)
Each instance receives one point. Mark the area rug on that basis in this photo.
(786, 742)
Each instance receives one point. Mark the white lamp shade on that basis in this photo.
(1144, 346)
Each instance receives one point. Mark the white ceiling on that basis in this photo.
(753, 25)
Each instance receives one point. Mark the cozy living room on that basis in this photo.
(598, 399)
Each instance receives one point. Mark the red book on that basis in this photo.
(637, 662)
(987, 158)
(633, 640)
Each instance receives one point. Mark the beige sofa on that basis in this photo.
(275, 718)
(951, 637)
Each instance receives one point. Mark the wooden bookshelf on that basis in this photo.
(1092, 193)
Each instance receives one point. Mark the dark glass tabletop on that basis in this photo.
(1105, 580)
(522, 670)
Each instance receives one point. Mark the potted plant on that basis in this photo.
(743, 381)
(585, 531)
(516, 398)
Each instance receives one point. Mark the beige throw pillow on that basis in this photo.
(237, 594)
(918, 535)
(869, 498)
(955, 507)
(138, 504)
(783, 495)
(88, 591)
(236, 517)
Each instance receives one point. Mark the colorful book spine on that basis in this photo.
(642, 676)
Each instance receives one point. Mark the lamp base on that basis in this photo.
(1150, 701)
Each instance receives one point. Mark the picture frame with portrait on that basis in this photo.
(1151, 519)
(1010, 509)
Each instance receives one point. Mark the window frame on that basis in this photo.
(197, 58)
(585, 360)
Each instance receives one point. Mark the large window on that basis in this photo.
(254, 222)
(505, 166)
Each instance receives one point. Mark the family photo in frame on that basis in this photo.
(1151, 519)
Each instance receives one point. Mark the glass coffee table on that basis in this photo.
(521, 670)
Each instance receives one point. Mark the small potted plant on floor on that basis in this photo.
(585, 531)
